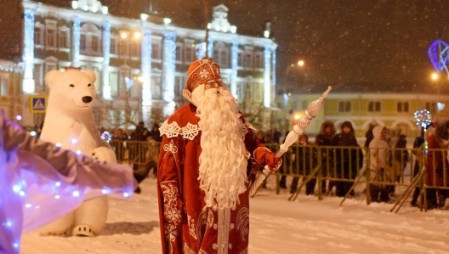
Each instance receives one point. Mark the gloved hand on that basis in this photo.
(265, 156)
(274, 163)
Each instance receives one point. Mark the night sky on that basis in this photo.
(355, 45)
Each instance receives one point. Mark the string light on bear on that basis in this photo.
(106, 136)
(76, 193)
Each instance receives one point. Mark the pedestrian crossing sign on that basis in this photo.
(38, 104)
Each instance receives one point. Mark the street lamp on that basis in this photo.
(435, 77)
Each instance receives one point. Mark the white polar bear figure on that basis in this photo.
(69, 122)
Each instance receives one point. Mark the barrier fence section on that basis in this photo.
(335, 170)
(135, 152)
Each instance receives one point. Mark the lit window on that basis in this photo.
(50, 33)
(403, 107)
(135, 48)
(240, 59)
(63, 38)
(156, 50)
(51, 38)
(38, 36)
(90, 40)
(344, 106)
(189, 51)
(374, 106)
(248, 60)
(179, 52)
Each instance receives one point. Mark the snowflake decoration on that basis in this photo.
(204, 74)
(190, 131)
(170, 130)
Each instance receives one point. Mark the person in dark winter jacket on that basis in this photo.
(324, 141)
(349, 158)
(302, 163)
(369, 133)
(418, 151)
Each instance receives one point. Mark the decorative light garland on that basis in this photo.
(423, 119)
(106, 136)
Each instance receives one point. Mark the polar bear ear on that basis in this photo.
(90, 74)
(51, 77)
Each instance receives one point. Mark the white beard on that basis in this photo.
(223, 162)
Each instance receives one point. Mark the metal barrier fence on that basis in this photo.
(135, 152)
(382, 172)
(337, 169)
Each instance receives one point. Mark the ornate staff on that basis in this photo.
(312, 111)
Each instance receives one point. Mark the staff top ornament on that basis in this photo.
(313, 109)
(423, 118)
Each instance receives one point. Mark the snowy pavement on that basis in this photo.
(277, 226)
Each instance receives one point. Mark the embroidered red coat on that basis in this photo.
(187, 225)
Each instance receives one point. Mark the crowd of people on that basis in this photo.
(139, 147)
(342, 160)
(384, 154)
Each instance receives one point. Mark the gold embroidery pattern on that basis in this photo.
(172, 214)
(187, 250)
(210, 218)
(192, 227)
(206, 218)
(243, 222)
(171, 147)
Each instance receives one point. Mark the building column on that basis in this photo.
(106, 60)
(273, 68)
(76, 37)
(210, 47)
(234, 66)
(267, 77)
(168, 72)
(146, 75)
(28, 86)
(200, 49)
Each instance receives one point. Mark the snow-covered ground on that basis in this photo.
(306, 225)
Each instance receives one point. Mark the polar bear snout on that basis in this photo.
(87, 99)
